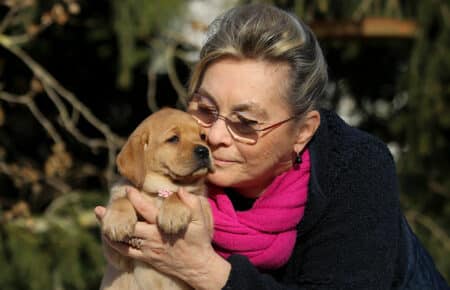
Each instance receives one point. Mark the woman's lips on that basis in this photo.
(222, 161)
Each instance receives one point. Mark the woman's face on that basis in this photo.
(249, 90)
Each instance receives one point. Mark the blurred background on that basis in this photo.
(77, 76)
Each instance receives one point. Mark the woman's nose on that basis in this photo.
(218, 133)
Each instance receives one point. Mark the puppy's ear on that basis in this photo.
(131, 159)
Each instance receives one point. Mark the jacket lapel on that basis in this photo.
(318, 184)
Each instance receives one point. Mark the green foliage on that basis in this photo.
(134, 22)
(58, 250)
(348, 10)
(426, 120)
(425, 125)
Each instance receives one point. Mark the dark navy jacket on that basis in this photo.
(353, 234)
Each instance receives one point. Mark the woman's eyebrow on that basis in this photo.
(207, 95)
(251, 107)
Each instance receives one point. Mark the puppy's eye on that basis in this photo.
(203, 136)
(174, 139)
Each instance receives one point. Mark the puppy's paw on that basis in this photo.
(118, 225)
(173, 217)
(119, 189)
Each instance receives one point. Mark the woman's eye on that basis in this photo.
(247, 122)
(206, 108)
(174, 139)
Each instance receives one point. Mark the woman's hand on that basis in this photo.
(190, 257)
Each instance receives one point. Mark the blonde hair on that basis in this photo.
(264, 32)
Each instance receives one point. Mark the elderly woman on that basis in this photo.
(300, 199)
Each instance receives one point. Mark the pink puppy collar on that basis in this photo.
(164, 193)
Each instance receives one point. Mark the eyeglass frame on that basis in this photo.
(235, 135)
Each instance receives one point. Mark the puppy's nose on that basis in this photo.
(201, 152)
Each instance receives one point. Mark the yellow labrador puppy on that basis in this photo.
(165, 152)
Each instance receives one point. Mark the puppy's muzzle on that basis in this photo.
(201, 152)
(202, 155)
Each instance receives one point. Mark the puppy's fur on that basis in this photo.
(165, 152)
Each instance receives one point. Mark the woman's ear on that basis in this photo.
(307, 129)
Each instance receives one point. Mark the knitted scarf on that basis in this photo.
(265, 233)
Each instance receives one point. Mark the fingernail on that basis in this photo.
(128, 190)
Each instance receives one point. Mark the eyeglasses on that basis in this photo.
(241, 130)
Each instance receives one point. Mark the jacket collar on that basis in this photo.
(318, 185)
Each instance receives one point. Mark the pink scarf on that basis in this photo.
(266, 233)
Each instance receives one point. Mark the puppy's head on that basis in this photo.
(169, 143)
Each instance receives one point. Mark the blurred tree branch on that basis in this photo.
(437, 232)
(43, 81)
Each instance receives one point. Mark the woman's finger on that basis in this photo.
(143, 205)
(146, 231)
(99, 212)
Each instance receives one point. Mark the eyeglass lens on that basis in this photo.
(207, 116)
